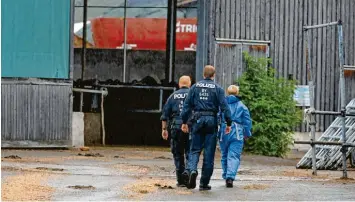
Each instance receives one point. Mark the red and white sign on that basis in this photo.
(142, 33)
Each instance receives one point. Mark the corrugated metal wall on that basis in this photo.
(281, 22)
(35, 115)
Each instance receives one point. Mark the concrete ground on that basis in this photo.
(137, 173)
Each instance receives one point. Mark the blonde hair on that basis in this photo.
(233, 90)
(185, 81)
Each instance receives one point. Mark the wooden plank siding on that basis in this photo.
(281, 22)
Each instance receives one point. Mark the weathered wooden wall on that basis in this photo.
(281, 21)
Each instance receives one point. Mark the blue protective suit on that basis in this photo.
(205, 98)
(232, 144)
(179, 141)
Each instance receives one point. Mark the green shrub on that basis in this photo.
(272, 108)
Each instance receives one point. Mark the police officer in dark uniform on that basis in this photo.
(204, 99)
(179, 141)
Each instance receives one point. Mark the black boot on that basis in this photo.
(180, 180)
(185, 178)
(205, 187)
(192, 180)
(229, 183)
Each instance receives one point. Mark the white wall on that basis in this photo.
(78, 129)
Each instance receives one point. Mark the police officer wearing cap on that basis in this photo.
(204, 99)
(179, 141)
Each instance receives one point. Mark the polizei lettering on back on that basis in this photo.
(205, 85)
(180, 96)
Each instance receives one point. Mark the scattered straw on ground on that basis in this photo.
(130, 152)
(301, 174)
(106, 154)
(44, 170)
(54, 160)
(84, 148)
(140, 155)
(26, 187)
(132, 169)
(342, 181)
(257, 186)
(296, 173)
(50, 169)
(131, 148)
(141, 187)
(46, 160)
(182, 192)
(10, 168)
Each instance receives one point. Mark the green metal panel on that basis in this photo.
(35, 36)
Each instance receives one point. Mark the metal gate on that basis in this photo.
(228, 58)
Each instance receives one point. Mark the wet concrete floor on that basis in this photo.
(128, 173)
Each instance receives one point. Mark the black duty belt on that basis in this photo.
(206, 113)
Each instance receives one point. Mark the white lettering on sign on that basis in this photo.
(128, 46)
(205, 85)
(180, 96)
(188, 28)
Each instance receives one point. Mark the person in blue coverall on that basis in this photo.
(205, 98)
(232, 143)
(179, 141)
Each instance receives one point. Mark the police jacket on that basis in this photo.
(206, 96)
(242, 123)
(173, 107)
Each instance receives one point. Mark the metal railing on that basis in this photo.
(103, 92)
(161, 92)
(311, 112)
